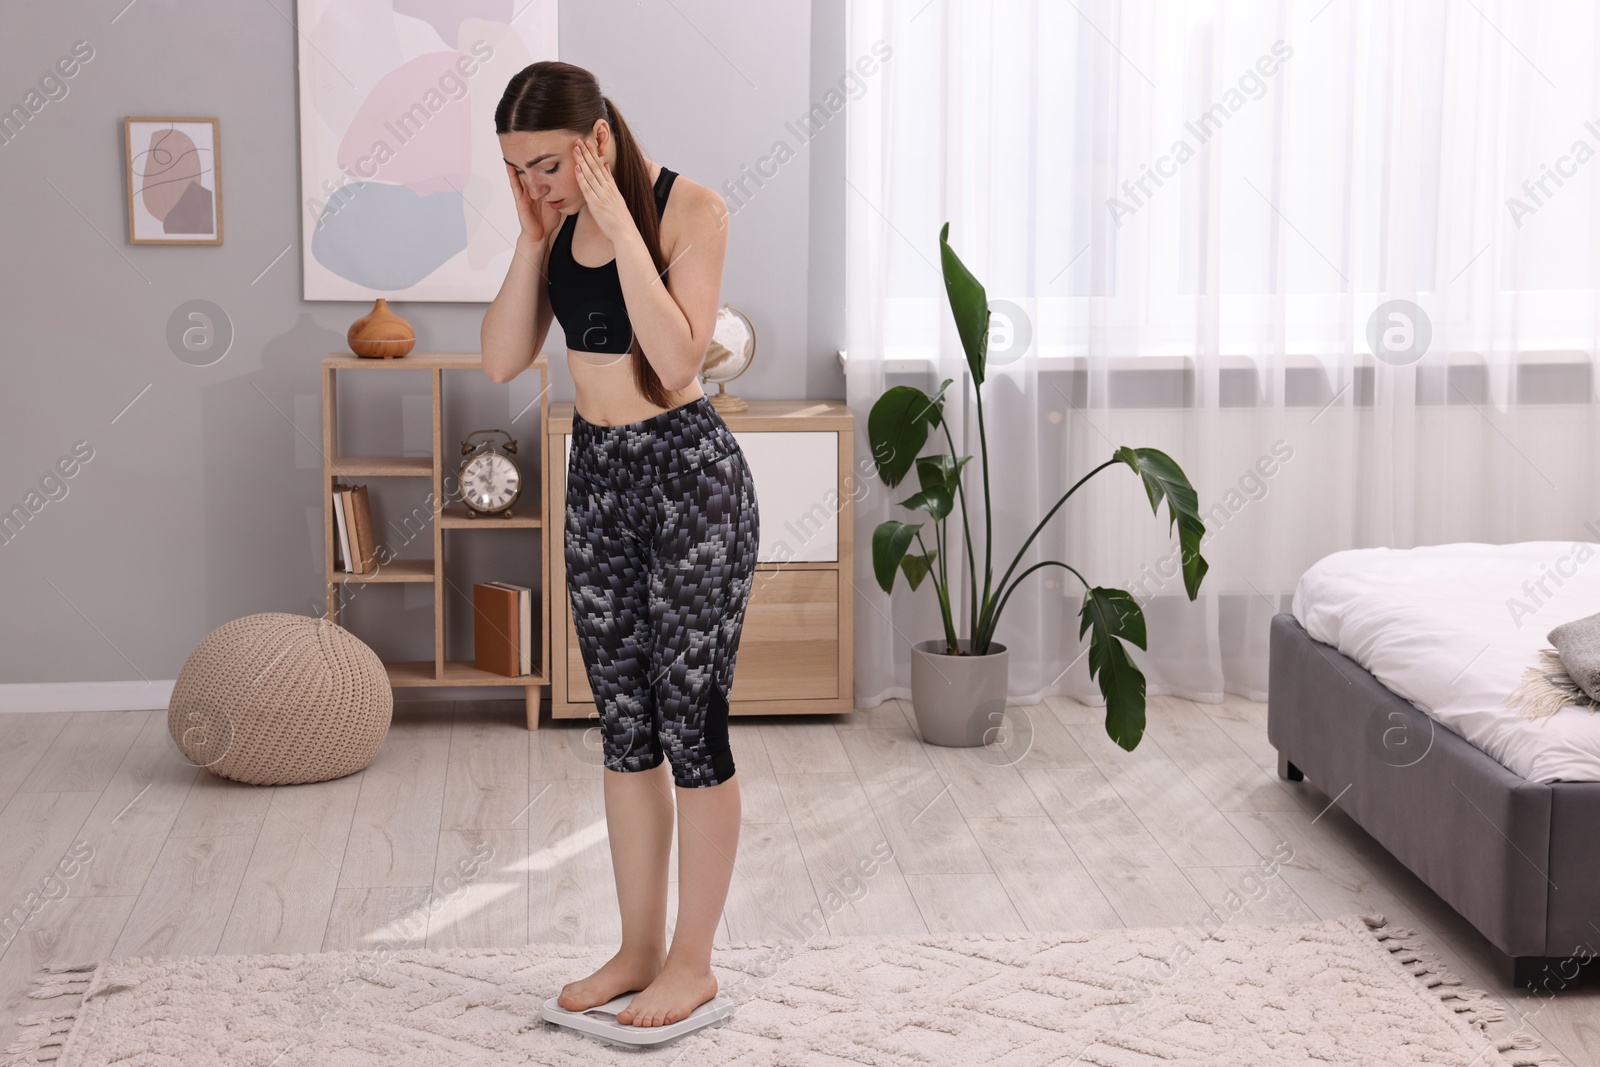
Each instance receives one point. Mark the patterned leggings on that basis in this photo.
(661, 534)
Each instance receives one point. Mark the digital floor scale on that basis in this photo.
(601, 1021)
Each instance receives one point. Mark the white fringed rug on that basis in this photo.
(1350, 990)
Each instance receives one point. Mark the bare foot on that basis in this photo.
(618, 975)
(670, 998)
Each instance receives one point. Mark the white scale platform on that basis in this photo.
(601, 1021)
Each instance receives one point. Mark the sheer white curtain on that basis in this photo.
(1186, 216)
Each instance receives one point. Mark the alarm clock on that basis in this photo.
(489, 479)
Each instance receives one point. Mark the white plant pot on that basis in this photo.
(959, 701)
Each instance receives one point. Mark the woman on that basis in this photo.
(661, 524)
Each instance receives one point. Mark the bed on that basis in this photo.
(1387, 689)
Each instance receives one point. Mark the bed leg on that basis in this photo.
(1288, 771)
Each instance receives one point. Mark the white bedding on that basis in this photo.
(1451, 627)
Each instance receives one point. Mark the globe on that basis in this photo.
(732, 348)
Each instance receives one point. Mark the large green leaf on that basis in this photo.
(889, 543)
(1115, 612)
(897, 428)
(941, 470)
(1111, 616)
(1163, 477)
(968, 304)
(917, 567)
(935, 500)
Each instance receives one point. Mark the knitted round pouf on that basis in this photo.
(280, 699)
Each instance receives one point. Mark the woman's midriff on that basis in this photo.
(606, 393)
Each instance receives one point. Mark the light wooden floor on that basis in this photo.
(1073, 834)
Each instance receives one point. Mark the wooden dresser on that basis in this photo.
(795, 655)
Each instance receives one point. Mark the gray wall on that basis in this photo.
(201, 497)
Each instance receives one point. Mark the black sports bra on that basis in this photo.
(587, 301)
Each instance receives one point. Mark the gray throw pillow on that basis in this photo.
(1578, 644)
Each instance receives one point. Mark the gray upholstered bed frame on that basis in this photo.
(1519, 860)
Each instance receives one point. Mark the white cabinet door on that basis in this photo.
(797, 489)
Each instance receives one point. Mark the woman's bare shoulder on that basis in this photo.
(695, 212)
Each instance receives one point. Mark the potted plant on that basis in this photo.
(958, 685)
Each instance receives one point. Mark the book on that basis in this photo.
(353, 535)
(366, 543)
(342, 532)
(355, 538)
(524, 623)
(496, 629)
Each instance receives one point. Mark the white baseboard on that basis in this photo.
(144, 696)
(85, 696)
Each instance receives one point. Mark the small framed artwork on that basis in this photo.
(174, 181)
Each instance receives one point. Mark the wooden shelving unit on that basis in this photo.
(446, 516)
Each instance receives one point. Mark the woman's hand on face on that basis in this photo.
(536, 217)
(600, 193)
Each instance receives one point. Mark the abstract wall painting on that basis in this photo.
(174, 180)
(403, 190)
